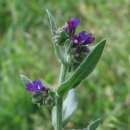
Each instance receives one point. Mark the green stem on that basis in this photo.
(63, 72)
(59, 100)
(58, 113)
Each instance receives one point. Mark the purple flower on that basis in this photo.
(76, 40)
(83, 38)
(35, 86)
(89, 39)
(80, 38)
(71, 26)
(73, 23)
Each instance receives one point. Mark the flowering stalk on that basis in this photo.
(77, 61)
(59, 99)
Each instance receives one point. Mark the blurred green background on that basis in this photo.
(26, 48)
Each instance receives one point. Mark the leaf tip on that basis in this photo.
(103, 42)
(47, 11)
(94, 124)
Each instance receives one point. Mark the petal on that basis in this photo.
(83, 36)
(73, 23)
(75, 39)
(37, 85)
(30, 87)
(90, 39)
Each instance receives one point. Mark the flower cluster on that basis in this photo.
(73, 53)
(36, 86)
(40, 93)
(81, 38)
(79, 42)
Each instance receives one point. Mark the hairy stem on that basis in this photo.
(63, 72)
(59, 100)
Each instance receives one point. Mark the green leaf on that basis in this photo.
(93, 125)
(53, 117)
(69, 105)
(25, 79)
(58, 50)
(84, 69)
(60, 54)
(52, 22)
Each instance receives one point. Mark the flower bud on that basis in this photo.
(77, 54)
(71, 26)
(60, 36)
(49, 101)
(40, 93)
(37, 98)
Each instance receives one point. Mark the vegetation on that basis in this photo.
(25, 48)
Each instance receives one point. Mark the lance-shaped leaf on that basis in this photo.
(84, 69)
(69, 105)
(92, 126)
(25, 79)
(58, 50)
(53, 117)
(52, 22)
